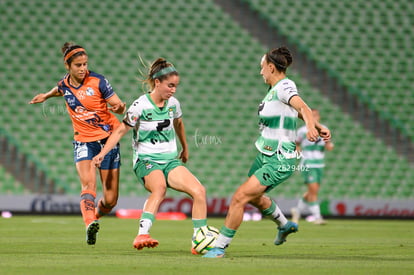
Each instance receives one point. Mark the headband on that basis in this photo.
(164, 71)
(72, 52)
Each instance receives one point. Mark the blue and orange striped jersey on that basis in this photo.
(87, 107)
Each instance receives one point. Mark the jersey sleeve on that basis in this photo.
(105, 88)
(178, 113)
(287, 91)
(133, 114)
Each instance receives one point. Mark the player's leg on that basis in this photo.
(110, 190)
(181, 179)
(271, 210)
(303, 205)
(311, 198)
(155, 183)
(109, 173)
(250, 190)
(275, 170)
(86, 172)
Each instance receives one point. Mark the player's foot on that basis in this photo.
(215, 253)
(91, 232)
(319, 221)
(193, 251)
(144, 240)
(295, 215)
(284, 231)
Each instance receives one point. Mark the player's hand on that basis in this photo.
(325, 134)
(118, 108)
(184, 156)
(312, 134)
(38, 99)
(97, 160)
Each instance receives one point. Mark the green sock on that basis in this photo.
(197, 223)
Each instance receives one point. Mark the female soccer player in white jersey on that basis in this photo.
(156, 119)
(276, 158)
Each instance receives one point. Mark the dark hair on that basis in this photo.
(157, 66)
(280, 57)
(68, 47)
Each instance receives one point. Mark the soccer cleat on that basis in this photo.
(91, 232)
(144, 240)
(193, 251)
(215, 252)
(319, 221)
(295, 215)
(284, 231)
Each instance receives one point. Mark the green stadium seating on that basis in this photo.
(9, 185)
(331, 33)
(220, 86)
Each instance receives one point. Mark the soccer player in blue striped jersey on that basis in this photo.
(156, 119)
(276, 158)
(311, 166)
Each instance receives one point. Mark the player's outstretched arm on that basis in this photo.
(42, 97)
(112, 141)
(117, 106)
(306, 114)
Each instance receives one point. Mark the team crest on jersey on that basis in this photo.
(270, 97)
(171, 112)
(89, 91)
(148, 165)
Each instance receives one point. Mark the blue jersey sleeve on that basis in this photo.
(106, 88)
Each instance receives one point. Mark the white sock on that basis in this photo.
(275, 214)
(144, 226)
(302, 206)
(278, 217)
(223, 241)
(315, 210)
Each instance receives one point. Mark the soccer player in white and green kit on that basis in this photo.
(276, 146)
(156, 119)
(311, 166)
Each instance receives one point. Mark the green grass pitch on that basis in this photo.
(56, 245)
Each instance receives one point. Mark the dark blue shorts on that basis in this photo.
(88, 150)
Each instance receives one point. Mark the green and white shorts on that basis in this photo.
(272, 170)
(143, 168)
(311, 175)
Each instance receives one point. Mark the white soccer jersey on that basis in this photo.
(313, 153)
(153, 133)
(278, 120)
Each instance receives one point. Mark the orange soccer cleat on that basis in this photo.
(145, 240)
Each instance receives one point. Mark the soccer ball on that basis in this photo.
(204, 239)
